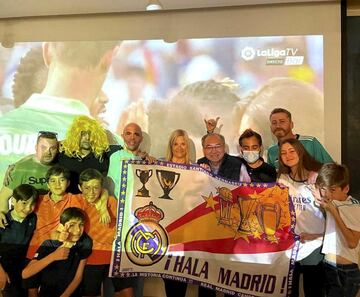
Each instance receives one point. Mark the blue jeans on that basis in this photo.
(341, 280)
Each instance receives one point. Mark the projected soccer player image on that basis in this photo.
(76, 72)
(297, 96)
(160, 86)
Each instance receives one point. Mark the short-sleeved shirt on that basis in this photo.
(19, 127)
(14, 241)
(27, 171)
(48, 216)
(101, 234)
(312, 146)
(334, 241)
(56, 277)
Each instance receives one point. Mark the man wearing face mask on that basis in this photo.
(256, 169)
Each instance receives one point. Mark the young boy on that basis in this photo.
(97, 267)
(51, 205)
(15, 238)
(59, 265)
(341, 241)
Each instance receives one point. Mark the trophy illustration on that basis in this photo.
(246, 205)
(167, 180)
(226, 201)
(269, 219)
(144, 176)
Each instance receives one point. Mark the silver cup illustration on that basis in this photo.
(167, 180)
(268, 216)
(246, 205)
(144, 176)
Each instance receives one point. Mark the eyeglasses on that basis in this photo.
(217, 147)
(47, 134)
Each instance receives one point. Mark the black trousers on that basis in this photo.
(178, 289)
(313, 280)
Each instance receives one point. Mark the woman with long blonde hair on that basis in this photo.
(178, 151)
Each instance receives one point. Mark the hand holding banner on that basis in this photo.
(233, 237)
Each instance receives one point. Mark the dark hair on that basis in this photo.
(25, 192)
(46, 134)
(306, 161)
(30, 76)
(89, 174)
(72, 213)
(280, 110)
(58, 170)
(222, 138)
(250, 133)
(333, 174)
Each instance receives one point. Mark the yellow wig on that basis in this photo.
(98, 138)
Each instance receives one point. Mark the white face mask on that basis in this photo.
(251, 156)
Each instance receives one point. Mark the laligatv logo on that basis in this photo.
(274, 56)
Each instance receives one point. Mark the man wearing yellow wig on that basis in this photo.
(86, 146)
(76, 73)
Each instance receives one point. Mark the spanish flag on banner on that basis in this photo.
(181, 222)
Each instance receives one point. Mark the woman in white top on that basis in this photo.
(298, 170)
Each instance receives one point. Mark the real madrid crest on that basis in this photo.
(147, 242)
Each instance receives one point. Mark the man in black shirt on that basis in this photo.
(258, 171)
(86, 146)
(217, 160)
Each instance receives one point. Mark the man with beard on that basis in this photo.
(76, 72)
(31, 169)
(86, 146)
(281, 127)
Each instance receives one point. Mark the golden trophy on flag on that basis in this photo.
(144, 176)
(167, 180)
(246, 206)
(268, 215)
(226, 201)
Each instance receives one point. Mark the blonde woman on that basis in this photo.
(178, 151)
(178, 147)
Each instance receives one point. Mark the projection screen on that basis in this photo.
(173, 69)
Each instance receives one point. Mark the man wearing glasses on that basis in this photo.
(217, 160)
(31, 169)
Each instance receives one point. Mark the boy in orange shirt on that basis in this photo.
(97, 267)
(50, 206)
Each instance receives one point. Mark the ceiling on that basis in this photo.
(30, 8)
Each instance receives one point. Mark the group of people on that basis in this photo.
(72, 187)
